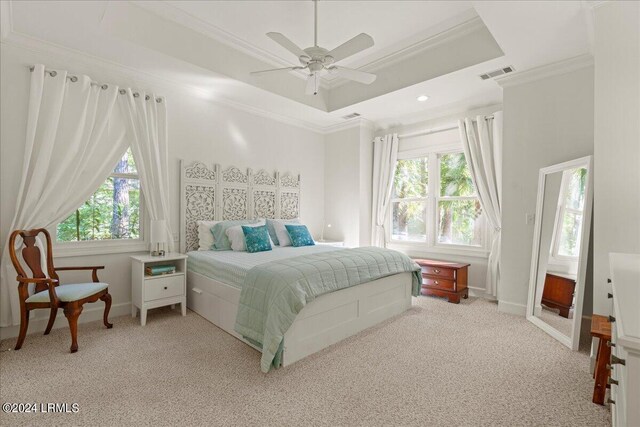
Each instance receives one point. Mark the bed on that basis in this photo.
(215, 279)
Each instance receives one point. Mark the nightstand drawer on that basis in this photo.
(440, 283)
(163, 287)
(438, 271)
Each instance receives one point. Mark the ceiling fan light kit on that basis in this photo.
(320, 61)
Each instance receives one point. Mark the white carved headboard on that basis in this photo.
(214, 194)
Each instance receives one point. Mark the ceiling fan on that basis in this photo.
(319, 60)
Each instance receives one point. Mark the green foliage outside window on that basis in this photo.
(112, 212)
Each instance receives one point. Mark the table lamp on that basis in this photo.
(158, 236)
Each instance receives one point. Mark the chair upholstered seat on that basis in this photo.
(67, 293)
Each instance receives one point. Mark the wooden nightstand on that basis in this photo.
(157, 291)
(444, 279)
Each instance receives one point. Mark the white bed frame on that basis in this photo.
(210, 193)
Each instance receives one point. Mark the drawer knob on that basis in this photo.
(610, 344)
(611, 401)
(608, 367)
(612, 319)
(608, 280)
(611, 381)
(436, 282)
(609, 295)
(616, 360)
(165, 288)
(435, 270)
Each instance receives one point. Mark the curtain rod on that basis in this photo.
(74, 79)
(431, 131)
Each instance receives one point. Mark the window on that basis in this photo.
(570, 211)
(434, 202)
(460, 220)
(113, 212)
(409, 200)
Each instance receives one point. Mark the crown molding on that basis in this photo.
(38, 46)
(175, 14)
(179, 16)
(417, 48)
(549, 70)
(349, 124)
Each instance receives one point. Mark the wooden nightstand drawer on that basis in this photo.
(163, 287)
(438, 271)
(438, 282)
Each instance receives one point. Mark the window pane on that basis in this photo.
(570, 234)
(411, 178)
(113, 212)
(126, 164)
(460, 222)
(409, 221)
(576, 187)
(455, 178)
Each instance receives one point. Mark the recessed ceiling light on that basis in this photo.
(423, 98)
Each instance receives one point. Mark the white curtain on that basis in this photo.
(77, 131)
(385, 155)
(482, 143)
(145, 117)
(71, 147)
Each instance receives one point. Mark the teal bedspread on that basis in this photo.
(275, 292)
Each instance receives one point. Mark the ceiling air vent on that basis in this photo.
(351, 116)
(496, 73)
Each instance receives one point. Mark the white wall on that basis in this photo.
(342, 186)
(617, 138)
(546, 121)
(198, 129)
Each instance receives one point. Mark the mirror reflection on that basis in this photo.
(557, 261)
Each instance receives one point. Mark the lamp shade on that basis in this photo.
(158, 231)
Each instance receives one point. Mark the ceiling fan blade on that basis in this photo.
(287, 44)
(359, 43)
(311, 88)
(355, 75)
(277, 69)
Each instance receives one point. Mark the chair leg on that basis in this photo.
(24, 325)
(72, 312)
(52, 320)
(107, 306)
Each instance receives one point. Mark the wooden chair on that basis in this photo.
(47, 292)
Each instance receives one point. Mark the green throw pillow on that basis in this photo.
(256, 239)
(299, 235)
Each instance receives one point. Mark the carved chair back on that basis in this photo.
(32, 257)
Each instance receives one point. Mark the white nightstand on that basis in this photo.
(157, 291)
(330, 242)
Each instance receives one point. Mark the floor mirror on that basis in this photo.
(560, 249)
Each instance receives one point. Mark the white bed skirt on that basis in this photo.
(325, 321)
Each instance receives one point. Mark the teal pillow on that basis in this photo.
(299, 235)
(256, 239)
(272, 229)
(220, 240)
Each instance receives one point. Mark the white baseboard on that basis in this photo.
(512, 308)
(479, 292)
(88, 315)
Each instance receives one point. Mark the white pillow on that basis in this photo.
(205, 238)
(281, 231)
(236, 236)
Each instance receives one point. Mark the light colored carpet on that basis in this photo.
(437, 364)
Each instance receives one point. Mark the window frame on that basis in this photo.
(111, 246)
(431, 244)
